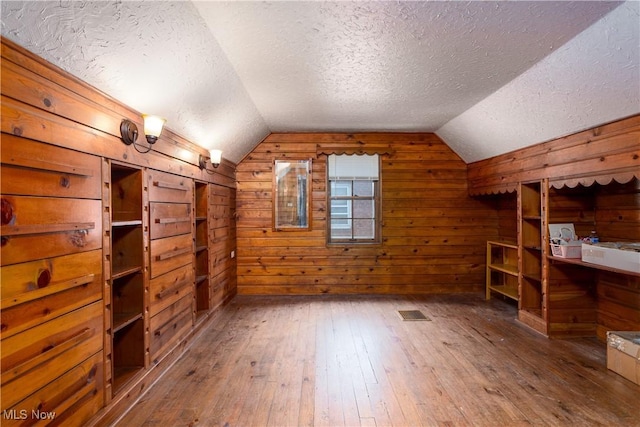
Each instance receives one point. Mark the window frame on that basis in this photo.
(376, 197)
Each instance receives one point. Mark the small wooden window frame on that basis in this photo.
(377, 198)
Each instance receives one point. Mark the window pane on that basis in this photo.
(363, 188)
(363, 208)
(340, 231)
(340, 207)
(364, 228)
(340, 188)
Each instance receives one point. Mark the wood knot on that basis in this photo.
(7, 215)
(47, 102)
(44, 278)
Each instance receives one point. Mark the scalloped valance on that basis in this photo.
(494, 190)
(621, 176)
(356, 147)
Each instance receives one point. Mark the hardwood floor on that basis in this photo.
(351, 360)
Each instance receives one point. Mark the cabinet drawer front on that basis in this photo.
(74, 397)
(170, 325)
(36, 228)
(37, 356)
(170, 253)
(33, 168)
(170, 219)
(169, 288)
(218, 293)
(165, 187)
(38, 291)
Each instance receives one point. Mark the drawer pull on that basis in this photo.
(45, 291)
(170, 185)
(172, 254)
(172, 220)
(172, 289)
(22, 230)
(48, 354)
(48, 166)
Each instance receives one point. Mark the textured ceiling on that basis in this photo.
(488, 77)
(157, 57)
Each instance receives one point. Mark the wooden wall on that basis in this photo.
(433, 234)
(595, 155)
(43, 106)
(506, 208)
(617, 219)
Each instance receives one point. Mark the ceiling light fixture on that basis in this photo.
(214, 155)
(152, 130)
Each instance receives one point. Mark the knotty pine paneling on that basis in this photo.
(508, 217)
(617, 219)
(42, 103)
(607, 152)
(433, 233)
(222, 232)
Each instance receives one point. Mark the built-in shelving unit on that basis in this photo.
(202, 248)
(587, 299)
(127, 274)
(502, 269)
(566, 297)
(531, 225)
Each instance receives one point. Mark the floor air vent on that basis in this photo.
(412, 315)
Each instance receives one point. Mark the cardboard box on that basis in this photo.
(609, 255)
(623, 354)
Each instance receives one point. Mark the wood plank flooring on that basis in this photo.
(352, 361)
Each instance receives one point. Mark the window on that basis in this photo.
(354, 200)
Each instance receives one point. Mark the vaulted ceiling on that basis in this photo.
(487, 77)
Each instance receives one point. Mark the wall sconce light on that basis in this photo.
(152, 129)
(214, 155)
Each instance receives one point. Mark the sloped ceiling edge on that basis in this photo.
(591, 80)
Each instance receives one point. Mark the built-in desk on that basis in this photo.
(577, 261)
